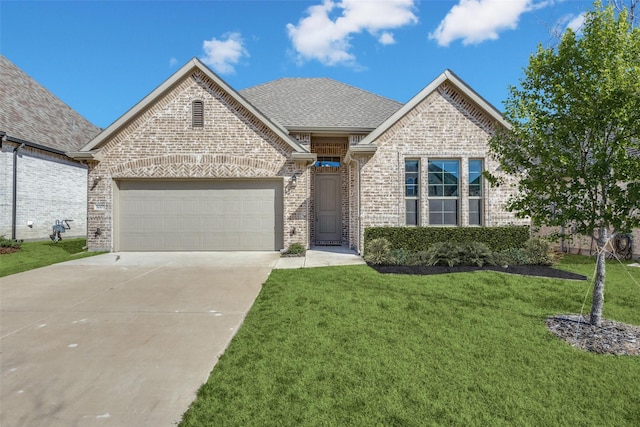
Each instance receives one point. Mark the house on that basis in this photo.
(197, 165)
(39, 183)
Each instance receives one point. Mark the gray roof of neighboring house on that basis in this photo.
(313, 103)
(31, 113)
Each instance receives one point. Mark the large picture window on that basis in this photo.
(444, 192)
(412, 191)
(475, 192)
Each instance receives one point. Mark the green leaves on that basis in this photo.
(575, 116)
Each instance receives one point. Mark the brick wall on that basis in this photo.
(584, 245)
(50, 187)
(445, 125)
(161, 143)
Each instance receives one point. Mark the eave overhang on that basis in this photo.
(360, 150)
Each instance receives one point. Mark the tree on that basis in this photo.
(632, 9)
(575, 132)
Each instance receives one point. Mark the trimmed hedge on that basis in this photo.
(416, 239)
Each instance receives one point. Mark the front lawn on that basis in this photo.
(42, 253)
(350, 346)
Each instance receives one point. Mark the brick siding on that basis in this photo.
(445, 125)
(161, 143)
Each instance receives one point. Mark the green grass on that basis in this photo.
(42, 253)
(348, 346)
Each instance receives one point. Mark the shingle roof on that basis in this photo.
(319, 103)
(32, 113)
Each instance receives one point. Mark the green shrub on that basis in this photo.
(514, 256)
(418, 258)
(8, 243)
(501, 259)
(378, 251)
(476, 253)
(401, 256)
(417, 239)
(539, 252)
(445, 253)
(295, 249)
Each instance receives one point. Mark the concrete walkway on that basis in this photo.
(321, 256)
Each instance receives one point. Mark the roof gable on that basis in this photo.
(191, 66)
(447, 77)
(320, 103)
(31, 113)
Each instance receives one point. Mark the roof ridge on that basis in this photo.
(330, 79)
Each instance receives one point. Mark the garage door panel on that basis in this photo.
(200, 215)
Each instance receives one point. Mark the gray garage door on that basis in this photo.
(211, 215)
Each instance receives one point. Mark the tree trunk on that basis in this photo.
(598, 285)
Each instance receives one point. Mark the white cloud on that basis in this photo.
(386, 39)
(576, 23)
(223, 54)
(173, 62)
(319, 36)
(475, 21)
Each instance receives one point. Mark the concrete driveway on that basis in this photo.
(119, 339)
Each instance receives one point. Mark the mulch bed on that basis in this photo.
(8, 250)
(524, 270)
(612, 337)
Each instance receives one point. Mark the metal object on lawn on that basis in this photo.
(60, 227)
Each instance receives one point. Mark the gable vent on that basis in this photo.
(197, 114)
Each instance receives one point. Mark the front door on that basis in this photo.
(328, 209)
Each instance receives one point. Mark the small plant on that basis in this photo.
(401, 256)
(295, 249)
(514, 256)
(539, 252)
(501, 259)
(445, 253)
(9, 245)
(378, 252)
(418, 258)
(477, 253)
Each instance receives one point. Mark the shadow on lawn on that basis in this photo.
(72, 246)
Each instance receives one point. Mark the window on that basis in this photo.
(327, 162)
(475, 192)
(197, 114)
(444, 192)
(412, 191)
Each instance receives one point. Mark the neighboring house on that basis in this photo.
(39, 183)
(621, 245)
(196, 165)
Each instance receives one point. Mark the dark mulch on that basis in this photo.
(611, 337)
(523, 270)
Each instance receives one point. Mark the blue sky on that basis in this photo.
(102, 57)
